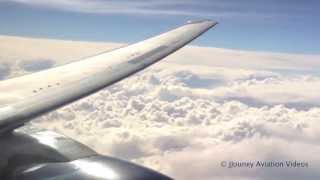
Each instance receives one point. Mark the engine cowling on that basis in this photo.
(51, 156)
(95, 167)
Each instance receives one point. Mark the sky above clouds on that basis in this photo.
(278, 26)
(184, 117)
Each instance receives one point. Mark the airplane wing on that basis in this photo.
(24, 98)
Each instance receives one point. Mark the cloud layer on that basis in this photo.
(184, 118)
(152, 120)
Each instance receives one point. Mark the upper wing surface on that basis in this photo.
(32, 95)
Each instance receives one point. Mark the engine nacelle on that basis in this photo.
(48, 155)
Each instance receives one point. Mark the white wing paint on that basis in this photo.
(38, 93)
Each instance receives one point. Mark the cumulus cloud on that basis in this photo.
(187, 133)
(184, 119)
(205, 163)
(188, 138)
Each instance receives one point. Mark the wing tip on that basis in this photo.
(202, 21)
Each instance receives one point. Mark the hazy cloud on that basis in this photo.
(4, 71)
(36, 64)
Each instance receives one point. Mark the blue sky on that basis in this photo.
(274, 25)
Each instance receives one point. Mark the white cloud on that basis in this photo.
(110, 6)
(183, 117)
(218, 57)
(150, 7)
(204, 163)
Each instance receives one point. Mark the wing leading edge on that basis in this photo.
(42, 92)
